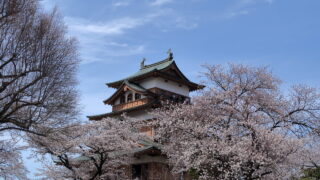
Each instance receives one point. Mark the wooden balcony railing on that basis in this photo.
(131, 104)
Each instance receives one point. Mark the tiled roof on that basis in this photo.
(147, 69)
(101, 116)
(135, 86)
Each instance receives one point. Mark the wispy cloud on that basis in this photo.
(121, 4)
(114, 27)
(160, 2)
(109, 36)
(99, 42)
(243, 7)
(159, 18)
(232, 14)
(109, 54)
(178, 22)
(246, 2)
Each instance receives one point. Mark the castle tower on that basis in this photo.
(145, 89)
(136, 95)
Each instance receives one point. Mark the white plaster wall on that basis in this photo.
(169, 86)
(141, 115)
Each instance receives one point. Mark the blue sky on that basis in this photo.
(114, 35)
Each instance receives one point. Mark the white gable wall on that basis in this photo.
(157, 82)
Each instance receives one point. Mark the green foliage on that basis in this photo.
(311, 174)
(193, 174)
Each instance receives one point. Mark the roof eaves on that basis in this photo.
(135, 87)
(116, 153)
(100, 116)
(107, 101)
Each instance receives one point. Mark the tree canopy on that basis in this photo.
(38, 64)
(242, 127)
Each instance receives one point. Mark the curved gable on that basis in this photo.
(123, 88)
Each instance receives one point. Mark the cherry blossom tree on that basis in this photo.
(11, 165)
(37, 68)
(97, 150)
(38, 62)
(241, 127)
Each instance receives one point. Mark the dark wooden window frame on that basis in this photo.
(129, 97)
(137, 96)
(122, 99)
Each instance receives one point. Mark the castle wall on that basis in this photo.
(166, 85)
(141, 115)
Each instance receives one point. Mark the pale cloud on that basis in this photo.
(232, 14)
(117, 44)
(47, 4)
(97, 48)
(114, 27)
(184, 23)
(243, 7)
(102, 41)
(160, 18)
(121, 4)
(246, 2)
(109, 55)
(160, 2)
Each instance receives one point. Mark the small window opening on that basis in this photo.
(129, 98)
(137, 96)
(122, 99)
(140, 171)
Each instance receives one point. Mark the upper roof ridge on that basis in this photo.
(156, 63)
(169, 58)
